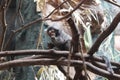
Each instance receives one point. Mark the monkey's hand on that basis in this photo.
(50, 45)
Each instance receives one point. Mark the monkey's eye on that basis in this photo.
(51, 31)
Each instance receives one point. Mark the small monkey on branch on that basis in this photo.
(59, 38)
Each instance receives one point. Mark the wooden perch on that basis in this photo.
(47, 60)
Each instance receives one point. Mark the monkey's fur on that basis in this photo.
(59, 39)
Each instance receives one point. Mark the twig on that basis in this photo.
(4, 25)
(9, 40)
(8, 4)
(56, 8)
(83, 59)
(5, 8)
(38, 20)
(69, 14)
(19, 11)
(104, 66)
(44, 19)
(113, 2)
(69, 58)
(21, 17)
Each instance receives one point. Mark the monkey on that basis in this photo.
(59, 38)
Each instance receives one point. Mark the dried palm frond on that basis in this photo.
(50, 73)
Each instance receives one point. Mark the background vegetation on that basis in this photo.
(23, 41)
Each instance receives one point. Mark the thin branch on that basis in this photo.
(9, 40)
(19, 11)
(101, 72)
(21, 17)
(4, 25)
(104, 66)
(69, 58)
(104, 35)
(113, 2)
(38, 20)
(56, 8)
(44, 19)
(69, 14)
(8, 4)
(83, 59)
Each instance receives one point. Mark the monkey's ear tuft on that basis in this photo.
(45, 30)
(46, 25)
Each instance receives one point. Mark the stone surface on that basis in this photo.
(27, 39)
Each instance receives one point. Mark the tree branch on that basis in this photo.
(28, 62)
(4, 25)
(52, 53)
(113, 2)
(105, 34)
(40, 19)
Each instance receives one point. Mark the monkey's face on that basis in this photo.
(52, 33)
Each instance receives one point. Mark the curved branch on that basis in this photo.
(44, 19)
(52, 53)
(105, 34)
(28, 62)
(113, 2)
(4, 25)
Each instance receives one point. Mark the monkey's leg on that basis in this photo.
(109, 66)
